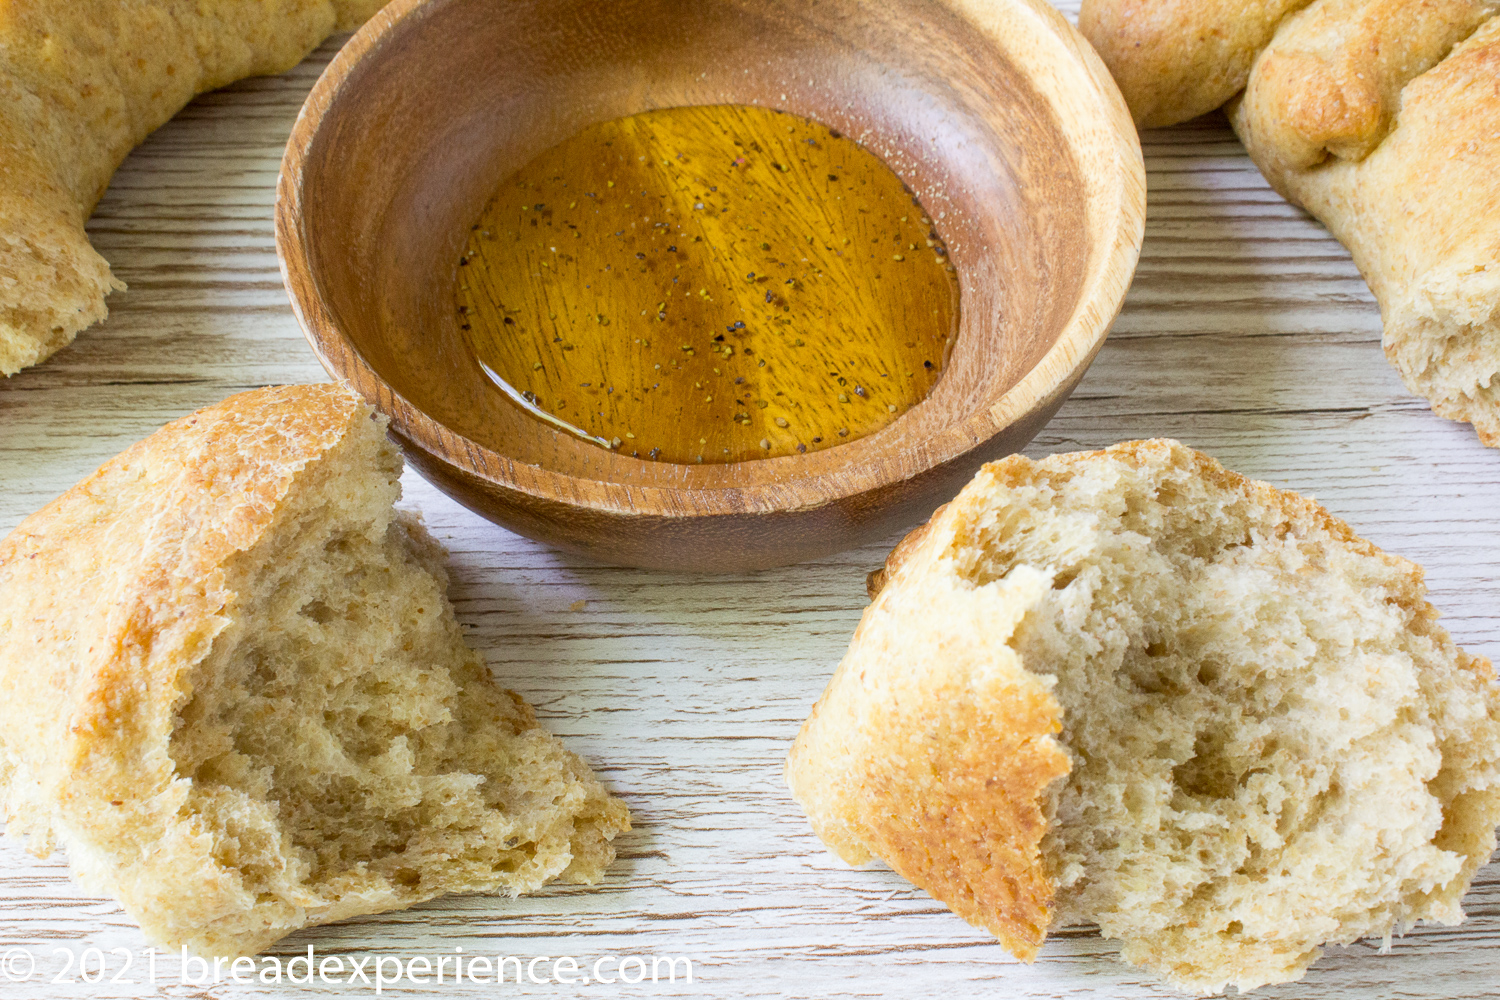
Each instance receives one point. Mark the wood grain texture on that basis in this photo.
(1247, 333)
(994, 112)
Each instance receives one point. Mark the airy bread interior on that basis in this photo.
(1452, 357)
(346, 751)
(1273, 745)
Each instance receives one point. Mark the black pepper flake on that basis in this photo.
(817, 440)
(671, 249)
(843, 432)
(464, 262)
(770, 296)
(802, 448)
(927, 365)
(859, 390)
(509, 321)
(833, 177)
(640, 256)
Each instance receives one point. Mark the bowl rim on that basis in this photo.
(1031, 32)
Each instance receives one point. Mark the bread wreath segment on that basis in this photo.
(1377, 116)
(1130, 687)
(81, 84)
(1420, 213)
(1177, 59)
(1330, 81)
(237, 695)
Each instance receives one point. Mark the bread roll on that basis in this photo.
(1129, 687)
(81, 84)
(237, 696)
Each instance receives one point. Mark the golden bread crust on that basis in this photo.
(1330, 82)
(80, 86)
(933, 753)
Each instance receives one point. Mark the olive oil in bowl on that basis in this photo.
(709, 284)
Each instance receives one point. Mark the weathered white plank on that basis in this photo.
(1248, 333)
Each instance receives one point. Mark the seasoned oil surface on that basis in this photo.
(709, 284)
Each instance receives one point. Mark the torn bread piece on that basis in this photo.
(81, 85)
(237, 696)
(1131, 688)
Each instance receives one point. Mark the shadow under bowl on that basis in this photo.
(996, 113)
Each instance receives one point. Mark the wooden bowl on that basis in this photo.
(995, 112)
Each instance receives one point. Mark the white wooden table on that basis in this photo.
(1248, 333)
